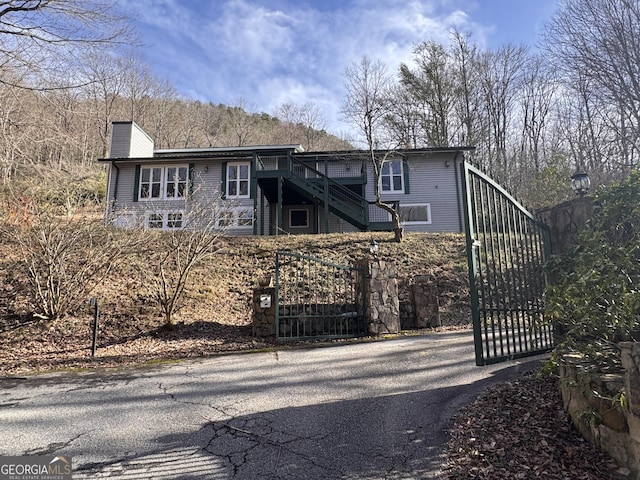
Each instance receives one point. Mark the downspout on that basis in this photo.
(110, 205)
(458, 180)
(253, 191)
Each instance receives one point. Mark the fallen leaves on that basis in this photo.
(519, 430)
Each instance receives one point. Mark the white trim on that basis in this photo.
(163, 182)
(233, 215)
(392, 190)
(162, 217)
(238, 180)
(418, 222)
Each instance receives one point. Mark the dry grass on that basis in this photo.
(216, 315)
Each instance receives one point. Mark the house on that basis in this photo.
(273, 189)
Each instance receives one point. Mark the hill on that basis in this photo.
(216, 316)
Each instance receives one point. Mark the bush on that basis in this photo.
(65, 260)
(594, 296)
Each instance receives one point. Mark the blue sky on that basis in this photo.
(268, 52)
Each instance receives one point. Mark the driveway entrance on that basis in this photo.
(365, 410)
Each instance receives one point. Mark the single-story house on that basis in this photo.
(273, 189)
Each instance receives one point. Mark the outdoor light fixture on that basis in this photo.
(373, 248)
(580, 182)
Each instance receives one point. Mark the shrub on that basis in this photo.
(594, 296)
(64, 260)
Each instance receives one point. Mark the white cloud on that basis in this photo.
(267, 55)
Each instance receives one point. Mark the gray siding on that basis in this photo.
(432, 180)
(128, 140)
(206, 184)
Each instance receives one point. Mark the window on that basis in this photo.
(156, 220)
(174, 220)
(299, 218)
(391, 177)
(415, 214)
(176, 182)
(165, 220)
(150, 182)
(238, 180)
(236, 217)
(244, 217)
(163, 182)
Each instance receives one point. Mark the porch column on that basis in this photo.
(279, 209)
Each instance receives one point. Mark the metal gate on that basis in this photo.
(317, 299)
(506, 249)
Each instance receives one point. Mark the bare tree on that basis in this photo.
(288, 129)
(599, 40)
(66, 259)
(300, 124)
(240, 123)
(501, 77)
(469, 124)
(402, 120)
(368, 85)
(41, 38)
(539, 87)
(192, 237)
(313, 121)
(104, 78)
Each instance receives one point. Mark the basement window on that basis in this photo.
(165, 220)
(415, 214)
(299, 218)
(236, 217)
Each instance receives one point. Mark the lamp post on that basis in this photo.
(580, 182)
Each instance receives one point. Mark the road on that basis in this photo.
(376, 410)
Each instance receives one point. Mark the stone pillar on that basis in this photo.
(424, 295)
(381, 293)
(564, 220)
(264, 312)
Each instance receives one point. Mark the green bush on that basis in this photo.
(594, 296)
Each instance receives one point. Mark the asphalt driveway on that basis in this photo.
(376, 410)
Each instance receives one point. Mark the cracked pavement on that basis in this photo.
(377, 410)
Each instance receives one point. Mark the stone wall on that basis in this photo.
(419, 303)
(381, 296)
(564, 220)
(606, 407)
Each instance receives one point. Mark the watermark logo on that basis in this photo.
(41, 467)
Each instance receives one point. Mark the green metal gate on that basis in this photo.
(317, 299)
(506, 249)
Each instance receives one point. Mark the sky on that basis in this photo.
(264, 53)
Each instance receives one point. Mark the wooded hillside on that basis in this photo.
(69, 68)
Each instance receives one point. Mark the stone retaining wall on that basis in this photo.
(604, 417)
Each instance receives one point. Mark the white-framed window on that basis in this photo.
(238, 217)
(238, 179)
(163, 183)
(173, 220)
(176, 182)
(415, 214)
(391, 177)
(299, 218)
